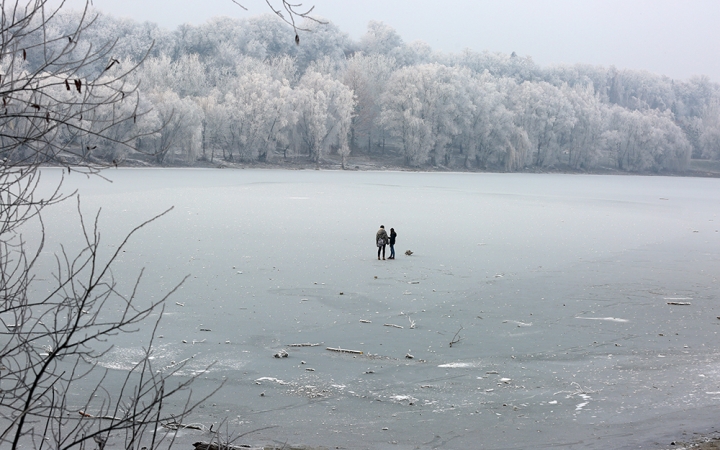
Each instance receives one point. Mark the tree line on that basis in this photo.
(242, 90)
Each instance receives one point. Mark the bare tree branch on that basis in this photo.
(56, 329)
(293, 12)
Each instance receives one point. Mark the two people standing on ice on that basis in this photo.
(382, 239)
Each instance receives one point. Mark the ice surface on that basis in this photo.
(556, 286)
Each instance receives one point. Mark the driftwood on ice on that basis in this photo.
(344, 350)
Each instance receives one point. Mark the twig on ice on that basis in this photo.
(90, 416)
(174, 425)
(456, 338)
(344, 350)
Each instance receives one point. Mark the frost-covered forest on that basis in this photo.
(242, 90)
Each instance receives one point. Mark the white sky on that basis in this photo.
(678, 38)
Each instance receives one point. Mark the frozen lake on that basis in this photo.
(558, 285)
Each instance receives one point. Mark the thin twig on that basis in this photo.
(456, 338)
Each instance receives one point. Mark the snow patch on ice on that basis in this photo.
(276, 380)
(608, 319)
(402, 398)
(460, 365)
(580, 406)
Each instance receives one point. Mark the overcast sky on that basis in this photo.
(678, 38)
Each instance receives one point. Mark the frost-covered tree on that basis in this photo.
(127, 39)
(547, 117)
(710, 134)
(258, 108)
(100, 134)
(425, 107)
(584, 144)
(323, 41)
(490, 125)
(380, 38)
(367, 77)
(186, 76)
(180, 136)
(647, 141)
(262, 37)
(325, 108)
(519, 68)
(212, 126)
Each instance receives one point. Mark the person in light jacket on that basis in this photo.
(381, 238)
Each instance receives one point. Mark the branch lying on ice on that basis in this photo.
(90, 416)
(190, 426)
(456, 338)
(344, 350)
(213, 446)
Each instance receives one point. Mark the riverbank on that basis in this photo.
(389, 162)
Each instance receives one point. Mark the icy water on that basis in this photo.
(556, 288)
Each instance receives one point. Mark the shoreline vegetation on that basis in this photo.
(701, 168)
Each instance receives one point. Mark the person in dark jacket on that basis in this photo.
(393, 236)
(381, 238)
